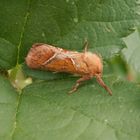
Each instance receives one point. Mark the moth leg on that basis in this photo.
(101, 82)
(78, 82)
(85, 45)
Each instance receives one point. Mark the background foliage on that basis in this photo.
(43, 110)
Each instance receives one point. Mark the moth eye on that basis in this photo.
(98, 72)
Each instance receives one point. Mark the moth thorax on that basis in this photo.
(94, 63)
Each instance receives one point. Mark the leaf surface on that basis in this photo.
(47, 112)
(43, 110)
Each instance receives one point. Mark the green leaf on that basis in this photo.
(67, 23)
(8, 53)
(116, 66)
(46, 111)
(8, 108)
(12, 20)
(43, 110)
(131, 54)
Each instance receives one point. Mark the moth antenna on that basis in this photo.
(86, 44)
(101, 82)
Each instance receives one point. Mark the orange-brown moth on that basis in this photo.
(86, 64)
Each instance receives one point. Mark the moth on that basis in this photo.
(86, 64)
